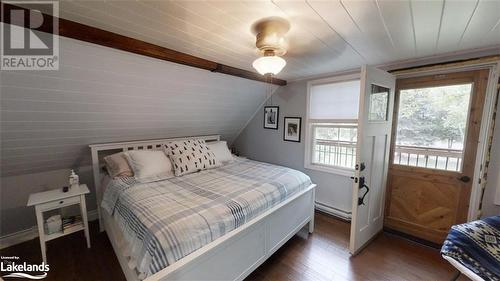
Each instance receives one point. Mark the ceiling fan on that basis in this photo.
(270, 40)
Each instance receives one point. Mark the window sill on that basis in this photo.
(332, 170)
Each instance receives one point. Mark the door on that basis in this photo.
(436, 132)
(376, 105)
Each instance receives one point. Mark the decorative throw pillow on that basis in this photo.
(221, 151)
(189, 156)
(117, 165)
(149, 165)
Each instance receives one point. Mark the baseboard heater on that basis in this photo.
(333, 211)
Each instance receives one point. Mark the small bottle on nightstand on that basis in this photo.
(74, 180)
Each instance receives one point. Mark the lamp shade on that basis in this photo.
(269, 65)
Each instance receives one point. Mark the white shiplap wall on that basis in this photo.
(99, 94)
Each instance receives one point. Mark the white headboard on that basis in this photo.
(125, 146)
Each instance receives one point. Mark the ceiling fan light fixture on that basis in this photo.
(269, 65)
(270, 40)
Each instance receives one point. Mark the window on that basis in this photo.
(432, 123)
(331, 125)
(334, 145)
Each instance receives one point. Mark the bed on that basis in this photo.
(239, 215)
(473, 248)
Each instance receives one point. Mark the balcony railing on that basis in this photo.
(343, 154)
(334, 153)
(434, 158)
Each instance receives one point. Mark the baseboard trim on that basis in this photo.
(333, 211)
(31, 233)
(92, 215)
(18, 237)
(412, 238)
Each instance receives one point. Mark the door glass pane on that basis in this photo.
(432, 124)
(379, 99)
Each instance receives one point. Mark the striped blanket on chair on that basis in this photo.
(476, 245)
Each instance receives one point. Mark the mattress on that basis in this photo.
(164, 221)
(474, 248)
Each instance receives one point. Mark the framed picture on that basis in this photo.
(291, 131)
(271, 117)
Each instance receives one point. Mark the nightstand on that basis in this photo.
(56, 199)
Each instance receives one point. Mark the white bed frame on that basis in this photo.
(231, 257)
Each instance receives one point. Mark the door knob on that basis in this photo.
(464, 178)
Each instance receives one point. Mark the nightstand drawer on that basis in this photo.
(60, 203)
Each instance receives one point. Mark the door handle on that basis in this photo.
(464, 178)
(361, 201)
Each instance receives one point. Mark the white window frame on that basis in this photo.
(308, 164)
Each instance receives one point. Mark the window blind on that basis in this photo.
(338, 100)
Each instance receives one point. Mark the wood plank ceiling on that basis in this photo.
(102, 94)
(326, 36)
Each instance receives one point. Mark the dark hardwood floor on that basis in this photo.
(323, 256)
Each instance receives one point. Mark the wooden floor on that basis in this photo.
(323, 256)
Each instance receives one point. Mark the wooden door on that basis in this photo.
(376, 103)
(433, 152)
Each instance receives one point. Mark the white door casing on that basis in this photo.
(373, 146)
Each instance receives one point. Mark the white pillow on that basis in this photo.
(222, 153)
(150, 165)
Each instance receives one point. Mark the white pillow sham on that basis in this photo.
(221, 151)
(150, 165)
(117, 165)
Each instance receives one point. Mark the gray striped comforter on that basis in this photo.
(166, 220)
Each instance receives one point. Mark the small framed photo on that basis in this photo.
(291, 131)
(271, 117)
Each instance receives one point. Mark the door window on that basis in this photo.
(432, 125)
(379, 103)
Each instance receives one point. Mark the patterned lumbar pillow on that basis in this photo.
(189, 156)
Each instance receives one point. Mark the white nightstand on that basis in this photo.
(56, 199)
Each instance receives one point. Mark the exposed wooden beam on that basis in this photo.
(448, 64)
(221, 68)
(86, 33)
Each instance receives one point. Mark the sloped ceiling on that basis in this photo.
(48, 118)
(325, 36)
(100, 95)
